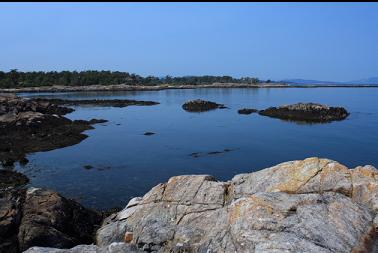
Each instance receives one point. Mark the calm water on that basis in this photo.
(127, 163)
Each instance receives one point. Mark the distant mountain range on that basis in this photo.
(367, 81)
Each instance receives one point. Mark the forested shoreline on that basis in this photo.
(19, 79)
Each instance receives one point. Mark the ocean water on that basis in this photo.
(125, 163)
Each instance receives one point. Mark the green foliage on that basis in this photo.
(16, 79)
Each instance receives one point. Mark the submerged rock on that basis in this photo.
(199, 154)
(148, 133)
(200, 105)
(247, 111)
(88, 167)
(309, 112)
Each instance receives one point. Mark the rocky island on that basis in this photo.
(200, 105)
(310, 112)
(312, 205)
(247, 111)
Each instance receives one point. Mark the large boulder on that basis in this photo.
(10, 218)
(40, 217)
(51, 220)
(11, 200)
(310, 112)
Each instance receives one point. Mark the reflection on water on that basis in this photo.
(125, 163)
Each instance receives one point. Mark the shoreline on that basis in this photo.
(123, 87)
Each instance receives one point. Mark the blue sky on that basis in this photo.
(324, 41)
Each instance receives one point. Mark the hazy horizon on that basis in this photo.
(318, 41)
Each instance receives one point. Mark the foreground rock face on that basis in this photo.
(309, 112)
(10, 216)
(199, 105)
(315, 205)
(31, 126)
(41, 217)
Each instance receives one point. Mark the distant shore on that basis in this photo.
(123, 87)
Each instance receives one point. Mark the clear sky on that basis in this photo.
(323, 41)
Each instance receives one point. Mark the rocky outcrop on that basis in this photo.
(200, 105)
(28, 125)
(314, 205)
(40, 217)
(309, 112)
(247, 111)
(12, 105)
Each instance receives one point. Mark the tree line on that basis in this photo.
(17, 79)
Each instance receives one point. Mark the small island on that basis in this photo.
(306, 112)
(200, 105)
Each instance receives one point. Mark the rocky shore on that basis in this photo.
(312, 205)
(33, 125)
(97, 102)
(30, 126)
(124, 87)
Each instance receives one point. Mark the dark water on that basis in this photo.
(127, 163)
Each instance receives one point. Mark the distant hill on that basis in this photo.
(307, 82)
(371, 80)
(367, 81)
